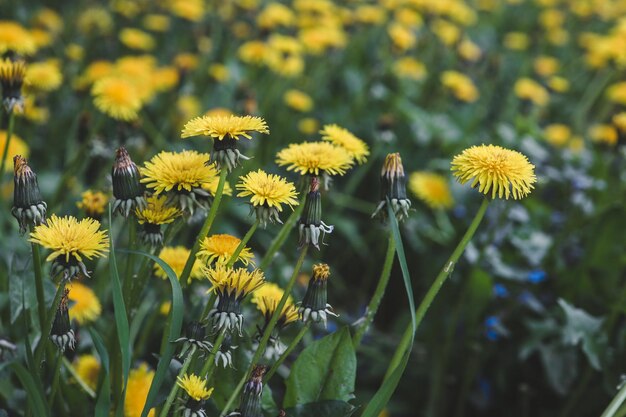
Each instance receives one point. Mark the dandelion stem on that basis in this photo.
(206, 227)
(288, 351)
(407, 337)
(41, 301)
(242, 244)
(372, 307)
(234, 395)
(270, 326)
(128, 276)
(616, 403)
(172, 396)
(55, 378)
(5, 151)
(280, 238)
(209, 364)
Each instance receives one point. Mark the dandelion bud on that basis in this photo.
(314, 306)
(393, 189)
(62, 334)
(225, 352)
(310, 224)
(194, 335)
(12, 74)
(251, 398)
(28, 206)
(127, 191)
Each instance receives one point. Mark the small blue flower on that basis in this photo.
(492, 335)
(500, 291)
(536, 276)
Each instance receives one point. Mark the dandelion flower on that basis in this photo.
(496, 170)
(93, 203)
(44, 76)
(180, 175)
(195, 387)
(268, 192)
(117, 97)
(176, 258)
(231, 286)
(315, 158)
(70, 240)
(220, 248)
(84, 304)
(298, 100)
(603, 133)
(88, 369)
(12, 75)
(14, 38)
(531, 90)
(153, 216)
(137, 39)
(344, 138)
(137, 388)
(17, 146)
(460, 85)
(432, 189)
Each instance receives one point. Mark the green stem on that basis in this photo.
(242, 244)
(41, 300)
(209, 305)
(209, 364)
(172, 396)
(280, 238)
(41, 348)
(407, 337)
(78, 379)
(616, 403)
(234, 395)
(5, 151)
(128, 276)
(206, 227)
(287, 352)
(372, 307)
(55, 378)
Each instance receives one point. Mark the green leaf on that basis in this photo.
(325, 370)
(322, 408)
(103, 403)
(403, 266)
(121, 320)
(581, 326)
(36, 400)
(176, 324)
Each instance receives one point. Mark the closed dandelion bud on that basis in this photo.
(12, 74)
(28, 206)
(253, 390)
(393, 189)
(127, 190)
(62, 334)
(310, 225)
(314, 307)
(225, 352)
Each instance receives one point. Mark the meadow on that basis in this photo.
(313, 208)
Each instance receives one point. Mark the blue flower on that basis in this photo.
(500, 291)
(536, 276)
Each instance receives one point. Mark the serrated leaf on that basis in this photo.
(325, 370)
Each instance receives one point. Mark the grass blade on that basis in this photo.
(36, 401)
(103, 403)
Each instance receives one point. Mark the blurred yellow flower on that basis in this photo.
(447, 32)
(88, 369)
(137, 39)
(410, 68)
(460, 85)
(531, 90)
(557, 134)
(186, 61)
(84, 304)
(156, 22)
(432, 189)
(74, 52)
(95, 20)
(44, 76)
(93, 203)
(192, 10)
(546, 66)
(619, 121)
(117, 97)
(617, 93)
(402, 37)
(517, 41)
(298, 100)
(468, 50)
(13, 37)
(253, 52)
(176, 258)
(275, 15)
(356, 147)
(370, 14)
(139, 382)
(558, 84)
(267, 298)
(603, 133)
(308, 125)
(219, 72)
(16, 147)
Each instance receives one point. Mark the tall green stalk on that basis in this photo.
(174, 391)
(206, 227)
(288, 351)
(374, 303)
(209, 363)
(41, 300)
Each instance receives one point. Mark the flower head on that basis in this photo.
(153, 216)
(70, 240)
(221, 127)
(496, 170)
(310, 224)
(268, 192)
(14, 38)
(44, 76)
(182, 176)
(117, 97)
(432, 189)
(87, 367)
(195, 387)
(127, 190)
(315, 158)
(220, 248)
(314, 305)
(176, 258)
(28, 206)
(12, 75)
(137, 388)
(62, 334)
(393, 189)
(85, 306)
(267, 298)
(344, 138)
(93, 203)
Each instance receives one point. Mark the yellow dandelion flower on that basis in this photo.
(13, 37)
(195, 387)
(558, 84)
(274, 15)
(460, 85)
(356, 147)
(557, 134)
(156, 22)
(617, 93)
(546, 66)
(211, 186)
(619, 120)
(603, 133)
(220, 127)
(176, 258)
(69, 238)
(432, 189)
(267, 190)
(88, 369)
(93, 202)
(253, 52)
(95, 20)
(178, 171)
(44, 76)
(315, 158)
(516, 41)
(34, 112)
(468, 50)
(186, 61)
(136, 39)
(370, 14)
(49, 20)
(165, 308)
(267, 298)
(298, 100)
(220, 248)
(496, 169)
(156, 211)
(17, 146)
(117, 97)
(409, 68)
(308, 125)
(402, 37)
(84, 304)
(531, 90)
(231, 282)
(192, 10)
(139, 382)
(74, 52)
